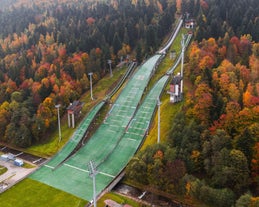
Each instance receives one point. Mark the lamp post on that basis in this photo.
(182, 61)
(110, 64)
(91, 87)
(92, 173)
(158, 121)
(59, 128)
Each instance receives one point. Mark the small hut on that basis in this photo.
(189, 23)
(18, 162)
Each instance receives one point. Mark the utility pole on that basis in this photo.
(91, 87)
(158, 121)
(59, 128)
(92, 173)
(183, 47)
(110, 64)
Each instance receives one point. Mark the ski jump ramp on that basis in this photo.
(113, 144)
(72, 175)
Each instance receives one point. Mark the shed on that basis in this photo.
(11, 156)
(4, 157)
(18, 162)
(190, 23)
(172, 54)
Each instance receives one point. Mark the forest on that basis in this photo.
(211, 154)
(47, 49)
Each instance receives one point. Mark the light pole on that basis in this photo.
(91, 87)
(92, 173)
(110, 64)
(59, 129)
(158, 121)
(182, 44)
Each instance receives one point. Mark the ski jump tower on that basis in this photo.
(73, 110)
(176, 85)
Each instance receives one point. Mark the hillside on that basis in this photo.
(211, 153)
(48, 48)
(238, 18)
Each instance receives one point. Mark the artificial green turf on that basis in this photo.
(30, 193)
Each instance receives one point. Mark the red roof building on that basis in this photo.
(74, 109)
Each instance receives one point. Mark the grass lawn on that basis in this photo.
(32, 193)
(167, 109)
(2, 170)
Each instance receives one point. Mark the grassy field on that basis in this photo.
(2, 170)
(167, 109)
(33, 193)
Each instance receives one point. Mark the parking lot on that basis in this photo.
(13, 174)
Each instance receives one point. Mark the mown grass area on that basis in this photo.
(167, 113)
(119, 199)
(28, 165)
(167, 62)
(167, 109)
(32, 193)
(2, 170)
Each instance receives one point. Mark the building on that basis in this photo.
(18, 162)
(172, 54)
(4, 157)
(175, 89)
(73, 111)
(189, 23)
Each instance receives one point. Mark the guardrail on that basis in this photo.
(130, 69)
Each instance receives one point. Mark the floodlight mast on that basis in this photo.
(182, 61)
(59, 128)
(91, 85)
(158, 121)
(92, 173)
(110, 64)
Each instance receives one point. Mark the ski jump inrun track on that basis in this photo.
(115, 141)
